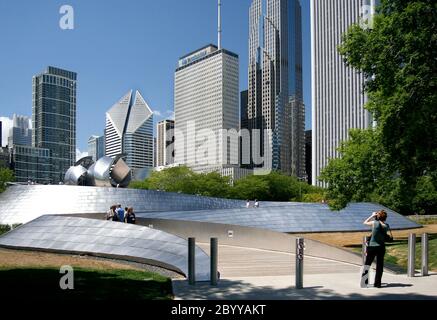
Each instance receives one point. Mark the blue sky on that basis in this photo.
(117, 45)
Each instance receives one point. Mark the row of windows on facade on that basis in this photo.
(54, 92)
(59, 81)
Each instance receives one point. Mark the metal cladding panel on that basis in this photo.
(292, 218)
(132, 242)
(28, 202)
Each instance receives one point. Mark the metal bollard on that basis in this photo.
(364, 250)
(424, 254)
(299, 262)
(411, 254)
(214, 260)
(191, 261)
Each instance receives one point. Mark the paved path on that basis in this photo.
(252, 274)
(247, 262)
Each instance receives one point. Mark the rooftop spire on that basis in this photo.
(219, 25)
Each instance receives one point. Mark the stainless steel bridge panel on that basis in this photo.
(23, 203)
(291, 218)
(107, 239)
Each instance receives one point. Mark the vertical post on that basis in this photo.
(299, 262)
(214, 260)
(191, 261)
(411, 254)
(364, 250)
(424, 255)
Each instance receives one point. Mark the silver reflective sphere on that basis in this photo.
(106, 172)
(76, 176)
(101, 172)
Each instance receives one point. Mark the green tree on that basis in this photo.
(251, 187)
(6, 175)
(361, 167)
(177, 179)
(271, 187)
(397, 57)
(212, 185)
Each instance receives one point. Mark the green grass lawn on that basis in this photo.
(89, 284)
(424, 220)
(397, 253)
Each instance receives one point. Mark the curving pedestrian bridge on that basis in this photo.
(70, 219)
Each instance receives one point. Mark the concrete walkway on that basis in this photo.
(252, 274)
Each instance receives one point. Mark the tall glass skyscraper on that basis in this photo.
(295, 89)
(96, 147)
(54, 118)
(275, 81)
(21, 132)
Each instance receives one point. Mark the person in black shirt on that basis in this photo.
(130, 216)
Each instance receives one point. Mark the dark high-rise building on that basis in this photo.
(31, 164)
(1, 134)
(308, 154)
(245, 148)
(4, 157)
(275, 105)
(295, 89)
(54, 118)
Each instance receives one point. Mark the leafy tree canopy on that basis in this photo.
(6, 175)
(395, 162)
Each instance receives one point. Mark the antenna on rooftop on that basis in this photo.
(219, 25)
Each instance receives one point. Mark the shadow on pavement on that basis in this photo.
(239, 290)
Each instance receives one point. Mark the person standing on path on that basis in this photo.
(376, 247)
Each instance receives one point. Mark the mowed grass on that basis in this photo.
(397, 253)
(89, 284)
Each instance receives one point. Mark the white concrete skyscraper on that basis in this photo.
(337, 90)
(129, 130)
(164, 143)
(206, 102)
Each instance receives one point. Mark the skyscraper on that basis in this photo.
(165, 143)
(275, 83)
(206, 109)
(96, 147)
(308, 157)
(337, 90)
(20, 133)
(32, 164)
(54, 118)
(129, 130)
(295, 89)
